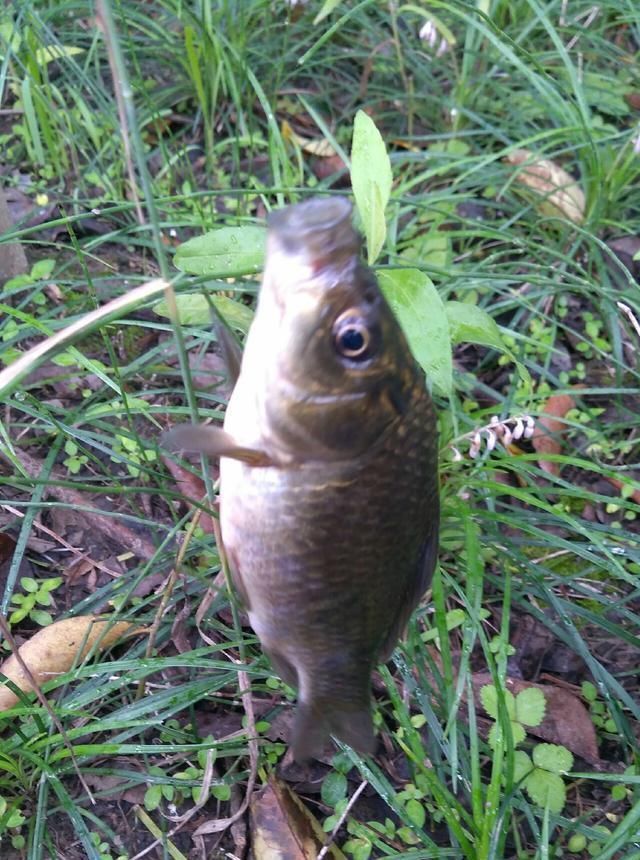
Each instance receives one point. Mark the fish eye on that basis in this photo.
(352, 337)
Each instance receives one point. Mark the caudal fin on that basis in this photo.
(314, 724)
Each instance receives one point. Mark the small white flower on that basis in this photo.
(428, 33)
(476, 442)
(507, 435)
(443, 47)
(530, 426)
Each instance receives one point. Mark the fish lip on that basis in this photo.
(318, 227)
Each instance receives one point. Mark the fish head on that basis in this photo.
(331, 366)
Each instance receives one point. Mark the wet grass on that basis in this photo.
(212, 90)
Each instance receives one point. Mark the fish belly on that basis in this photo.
(326, 557)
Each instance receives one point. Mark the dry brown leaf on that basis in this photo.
(319, 147)
(282, 828)
(192, 488)
(566, 720)
(56, 649)
(561, 194)
(12, 257)
(548, 429)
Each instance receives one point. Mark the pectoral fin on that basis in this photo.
(213, 441)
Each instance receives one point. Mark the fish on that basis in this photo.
(329, 495)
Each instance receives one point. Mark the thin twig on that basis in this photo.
(356, 794)
(121, 91)
(79, 554)
(102, 521)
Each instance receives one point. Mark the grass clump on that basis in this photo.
(512, 138)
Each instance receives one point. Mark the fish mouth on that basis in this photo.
(319, 228)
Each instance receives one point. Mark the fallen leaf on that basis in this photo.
(78, 568)
(113, 787)
(626, 250)
(323, 168)
(319, 147)
(7, 547)
(80, 507)
(561, 194)
(12, 257)
(566, 720)
(283, 828)
(549, 427)
(55, 649)
(192, 488)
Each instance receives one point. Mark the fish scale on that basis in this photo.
(328, 474)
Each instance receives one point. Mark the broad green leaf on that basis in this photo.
(29, 584)
(371, 181)
(221, 792)
(224, 253)
(530, 706)
(489, 699)
(51, 584)
(44, 619)
(432, 248)
(193, 309)
(360, 849)
(152, 797)
(42, 269)
(589, 691)
(56, 52)
(553, 757)
(522, 765)
(416, 812)
(546, 789)
(421, 313)
(518, 734)
(470, 324)
(334, 788)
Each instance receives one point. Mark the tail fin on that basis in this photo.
(313, 724)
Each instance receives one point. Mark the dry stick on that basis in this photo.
(8, 635)
(63, 543)
(107, 525)
(356, 794)
(168, 591)
(118, 85)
